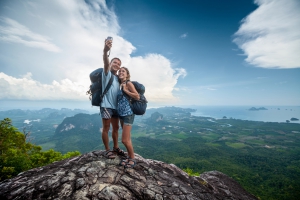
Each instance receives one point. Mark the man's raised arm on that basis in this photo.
(107, 47)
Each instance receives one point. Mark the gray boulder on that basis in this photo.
(92, 176)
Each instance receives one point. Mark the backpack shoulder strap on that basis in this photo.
(107, 86)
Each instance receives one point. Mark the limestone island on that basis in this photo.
(257, 109)
(294, 119)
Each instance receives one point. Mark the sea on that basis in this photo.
(271, 114)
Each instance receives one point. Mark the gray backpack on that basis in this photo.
(95, 91)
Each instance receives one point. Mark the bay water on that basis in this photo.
(272, 114)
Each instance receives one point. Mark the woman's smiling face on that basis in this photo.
(122, 74)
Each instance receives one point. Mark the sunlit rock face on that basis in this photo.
(92, 176)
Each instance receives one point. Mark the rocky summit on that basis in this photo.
(92, 176)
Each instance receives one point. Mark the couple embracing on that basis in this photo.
(115, 107)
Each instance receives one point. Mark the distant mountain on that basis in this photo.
(155, 117)
(45, 112)
(171, 111)
(80, 122)
(294, 119)
(40, 124)
(257, 109)
(81, 132)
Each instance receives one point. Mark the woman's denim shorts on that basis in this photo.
(127, 120)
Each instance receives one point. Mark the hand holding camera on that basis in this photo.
(108, 44)
(109, 38)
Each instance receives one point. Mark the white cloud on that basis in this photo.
(261, 77)
(75, 31)
(156, 73)
(27, 88)
(12, 31)
(270, 36)
(212, 89)
(183, 36)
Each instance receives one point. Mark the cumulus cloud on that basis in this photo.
(70, 37)
(156, 73)
(159, 86)
(270, 36)
(27, 88)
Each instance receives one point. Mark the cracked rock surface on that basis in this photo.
(92, 176)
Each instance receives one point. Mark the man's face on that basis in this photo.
(115, 65)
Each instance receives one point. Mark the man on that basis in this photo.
(108, 110)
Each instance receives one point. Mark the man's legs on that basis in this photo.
(105, 129)
(110, 116)
(115, 131)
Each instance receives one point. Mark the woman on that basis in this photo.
(127, 91)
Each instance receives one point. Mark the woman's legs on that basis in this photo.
(126, 123)
(126, 139)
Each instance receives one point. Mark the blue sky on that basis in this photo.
(188, 52)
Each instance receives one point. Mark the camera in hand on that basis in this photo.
(109, 38)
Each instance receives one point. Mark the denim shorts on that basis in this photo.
(127, 120)
(108, 113)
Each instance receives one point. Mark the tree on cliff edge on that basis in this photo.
(17, 155)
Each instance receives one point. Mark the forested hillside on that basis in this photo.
(18, 155)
